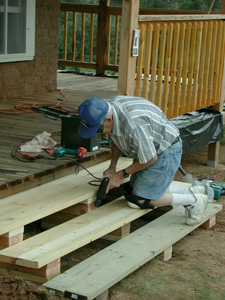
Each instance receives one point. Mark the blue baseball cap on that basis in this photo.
(91, 112)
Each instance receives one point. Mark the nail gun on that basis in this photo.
(101, 194)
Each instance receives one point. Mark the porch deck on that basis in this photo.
(15, 175)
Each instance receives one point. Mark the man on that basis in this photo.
(140, 130)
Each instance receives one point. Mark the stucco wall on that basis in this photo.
(39, 75)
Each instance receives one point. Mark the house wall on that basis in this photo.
(39, 75)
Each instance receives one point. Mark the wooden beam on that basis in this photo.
(159, 18)
(101, 36)
(127, 63)
(79, 8)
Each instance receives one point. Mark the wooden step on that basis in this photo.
(54, 243)
(31, 205)
(94, 276)
(40, 251)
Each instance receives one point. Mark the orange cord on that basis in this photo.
(27, 108)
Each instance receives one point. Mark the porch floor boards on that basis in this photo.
(16, 128)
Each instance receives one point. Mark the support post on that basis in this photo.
(222, 7)
(103, 296)
(127, 63)
(101, 36)
(167, 254)
(213, 149)
(11, 238)
(209, 223)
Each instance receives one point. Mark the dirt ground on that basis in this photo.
(195, 272)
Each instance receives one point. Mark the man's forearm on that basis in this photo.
(115, 155)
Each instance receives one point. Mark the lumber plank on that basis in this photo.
(54, 243)
(99, 272)
(30, 205)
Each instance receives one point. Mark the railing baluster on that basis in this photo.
(82, 37)
(154, 62)
(162, 46)
(173, 72)
(196, 65)
(202, 65)
(74, 37)
(179, 70)
(212, 62)
(217, 61)
(108, 31)
(167, 68)
(140, 61)
(185, 68)
(65, 35)
(207, 64)
(91, 39)
(148, 52)
(191, 68)
(116, 40)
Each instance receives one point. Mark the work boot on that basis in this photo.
(194, 214)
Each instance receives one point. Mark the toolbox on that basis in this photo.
(69, 135)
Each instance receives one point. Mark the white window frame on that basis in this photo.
(30, 34)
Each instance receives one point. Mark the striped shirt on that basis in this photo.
(140, 129)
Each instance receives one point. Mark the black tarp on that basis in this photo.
(199, 128)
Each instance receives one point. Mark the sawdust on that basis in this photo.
(196, 270)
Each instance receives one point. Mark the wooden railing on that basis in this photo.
(180, 62)
(102, 35)
(95, 39)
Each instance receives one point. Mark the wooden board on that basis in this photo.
(96, 274)
(54, 243)
(25, 207)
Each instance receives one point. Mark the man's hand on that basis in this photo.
(110, 172)
(115, 181)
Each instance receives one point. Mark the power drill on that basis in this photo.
(80, 152)
(101, 194)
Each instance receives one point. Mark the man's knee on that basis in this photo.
(140, 202)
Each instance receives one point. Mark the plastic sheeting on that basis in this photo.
(199, 128)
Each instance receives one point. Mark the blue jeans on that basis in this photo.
(152, 182)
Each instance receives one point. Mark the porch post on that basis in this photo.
(213, 149)
(127, 63)
(101, 36)
(222, 7)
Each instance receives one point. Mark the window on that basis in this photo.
(17, 30)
